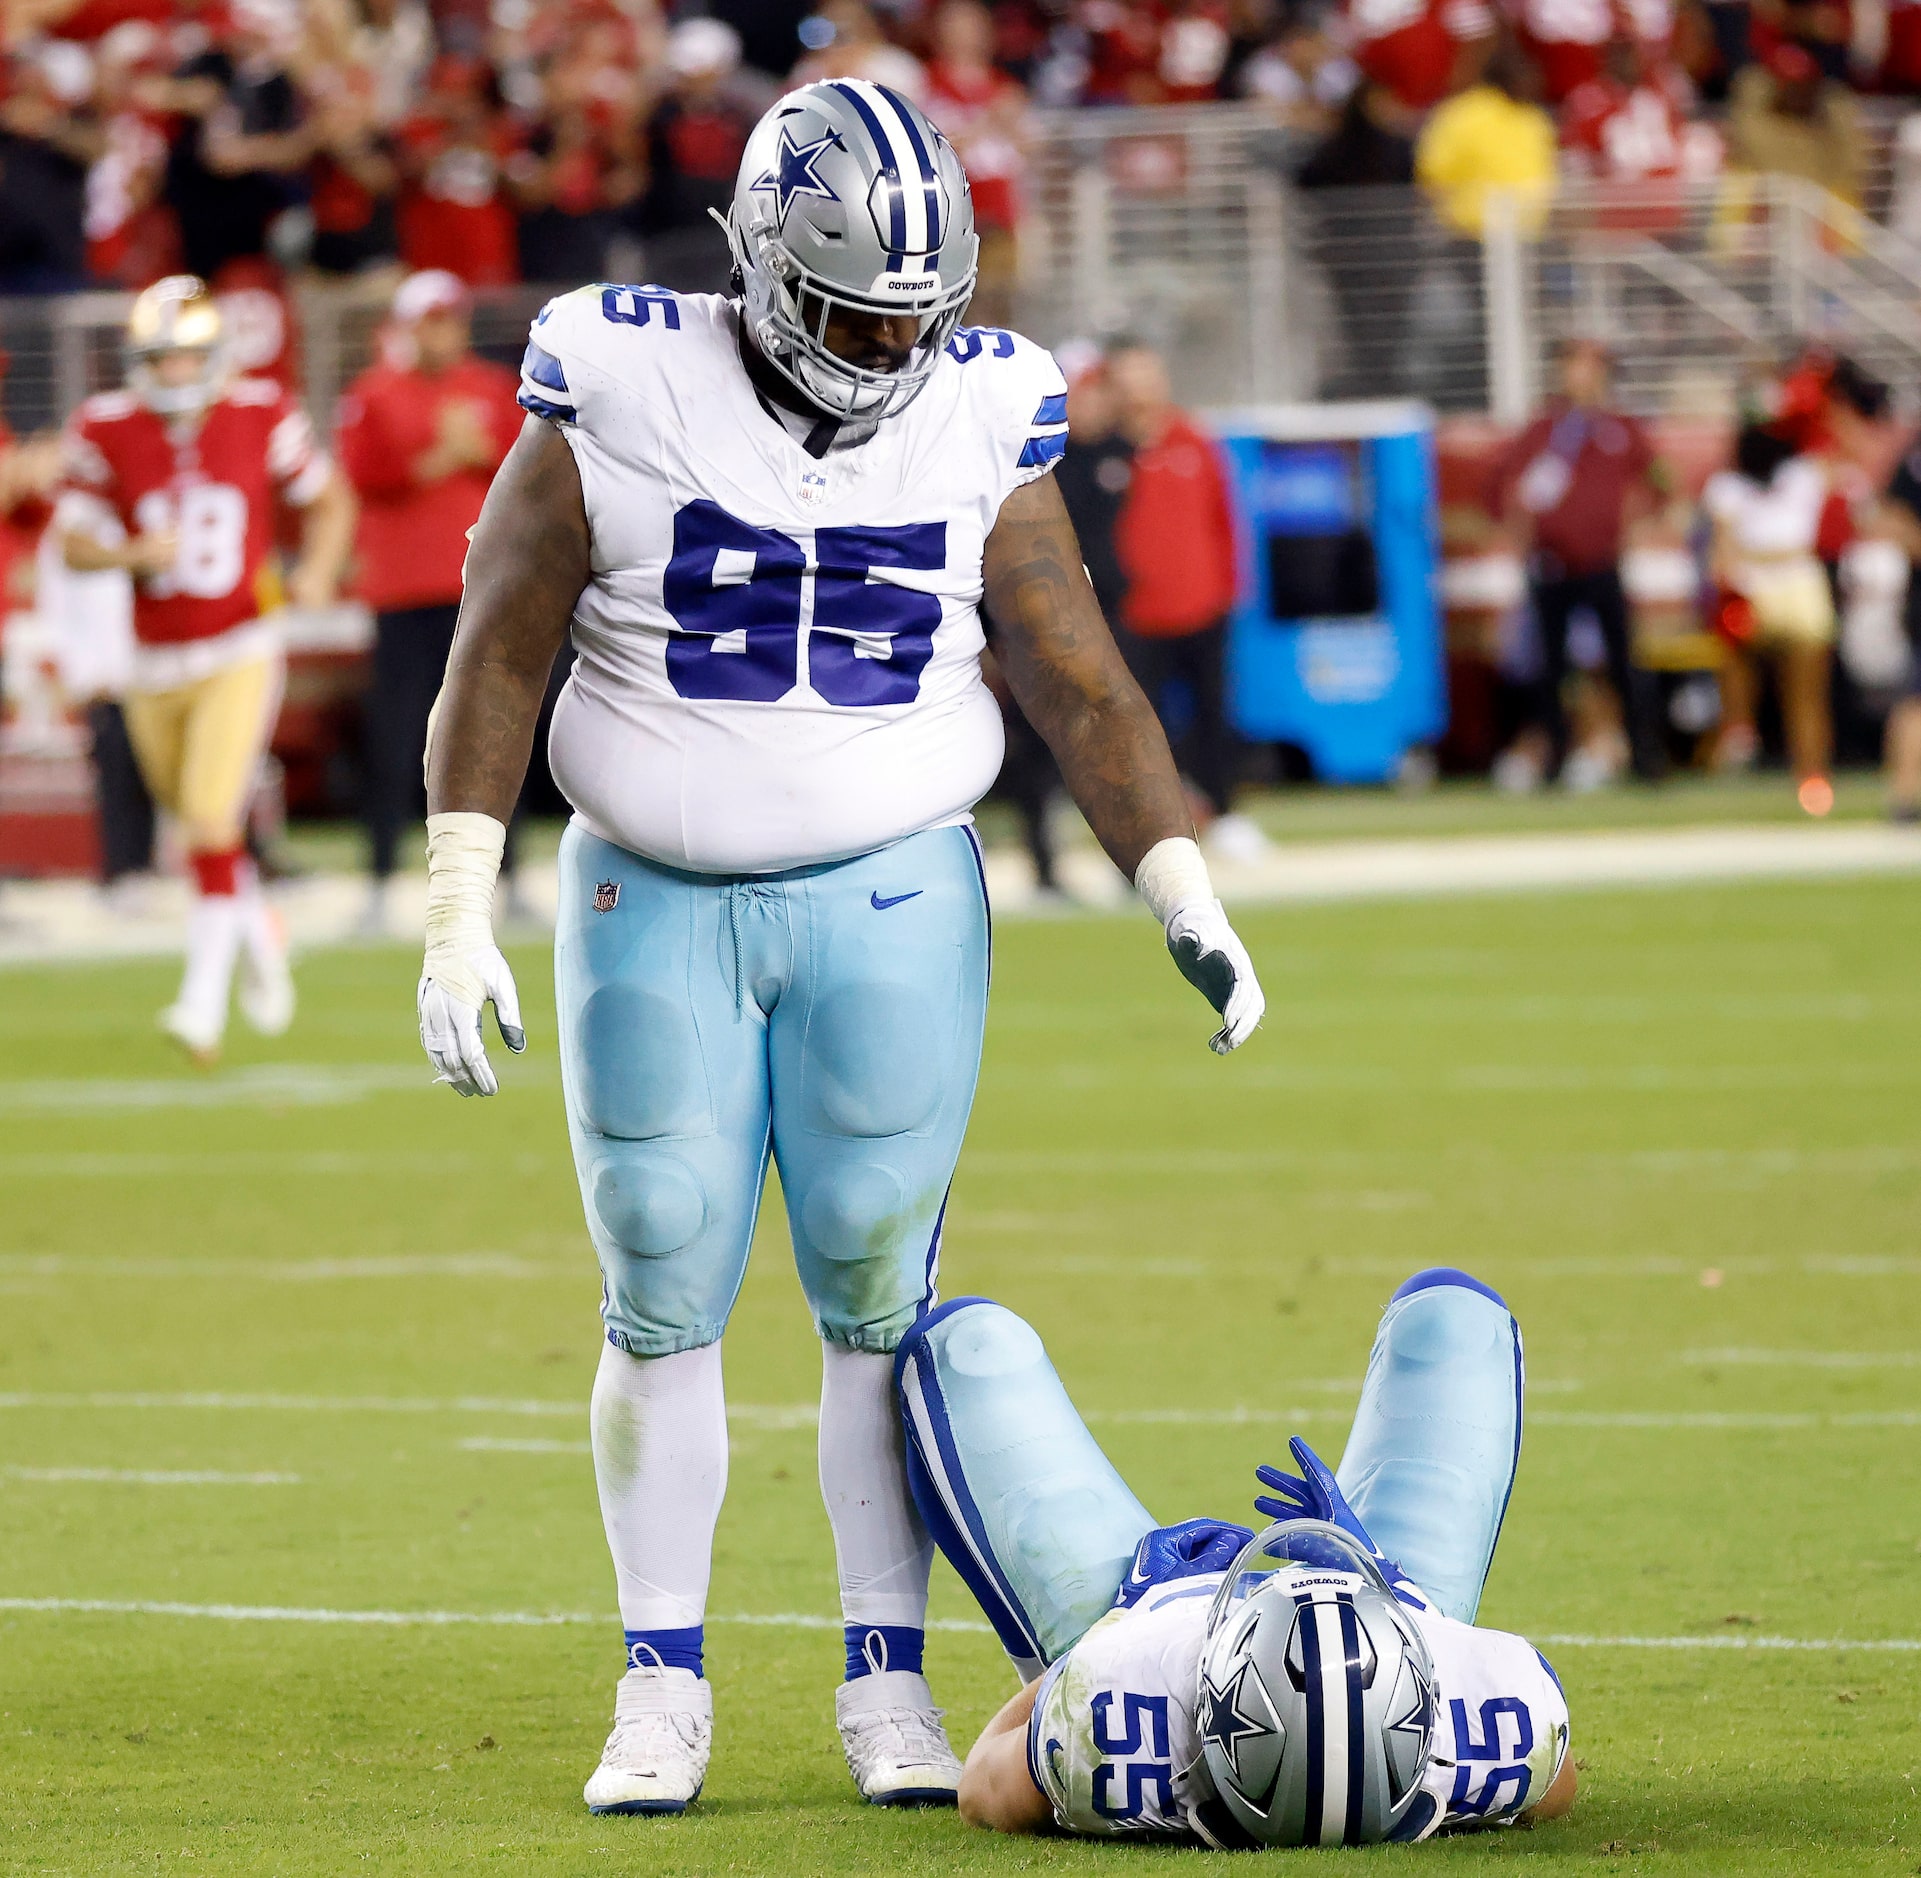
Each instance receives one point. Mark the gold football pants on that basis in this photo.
(199, 747)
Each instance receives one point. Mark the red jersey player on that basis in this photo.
(1633, 122)
(1420, 50)
(177, 477)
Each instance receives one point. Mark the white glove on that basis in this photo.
(1172, 878)
(463, 970)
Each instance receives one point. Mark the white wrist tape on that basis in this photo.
(1172, 875)
(463, 863)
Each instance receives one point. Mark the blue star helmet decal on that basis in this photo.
(794, 173)
(1226, 1722)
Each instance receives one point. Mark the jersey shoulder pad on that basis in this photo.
(107, 407)
(1020, 392)
(607, 333)
(252, 393)
(1101, 1740)
(1501, 1723)
(88, 437)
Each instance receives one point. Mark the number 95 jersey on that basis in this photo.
(779, 654)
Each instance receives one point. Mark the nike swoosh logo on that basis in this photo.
(880, 906)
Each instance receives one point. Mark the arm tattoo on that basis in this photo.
(529, 560)
(1068, 676)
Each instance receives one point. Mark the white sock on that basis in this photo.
(259, 925)
(660, 1458)
(213, 942)
(882, 1548)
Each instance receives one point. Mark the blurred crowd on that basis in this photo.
(543, 140)
(1811, 520)
(556, 140)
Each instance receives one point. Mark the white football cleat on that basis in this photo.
(266, 982)
(656, 1757)
(197, 1032)
(897, 1750)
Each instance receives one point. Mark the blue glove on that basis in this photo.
(1317, 1495)
(1184, 1551)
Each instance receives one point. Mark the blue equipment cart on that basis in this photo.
(1336, 644)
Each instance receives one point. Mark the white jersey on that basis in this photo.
(779, 654)
(1114, 1745)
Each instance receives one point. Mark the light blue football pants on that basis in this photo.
(1042, 1528)
(830, 1016)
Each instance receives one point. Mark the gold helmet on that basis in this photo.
(174, 315)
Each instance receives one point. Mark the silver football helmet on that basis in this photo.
(1316, 1697)
(849, 198)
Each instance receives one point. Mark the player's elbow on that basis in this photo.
(83, 553)
(1558, 1800)
(997, 1792)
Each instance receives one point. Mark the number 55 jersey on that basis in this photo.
(779, 653)
(1114, 1739)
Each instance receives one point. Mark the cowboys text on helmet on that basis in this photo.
(1316, 1692)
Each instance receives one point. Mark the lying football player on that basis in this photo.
(1320, 1683)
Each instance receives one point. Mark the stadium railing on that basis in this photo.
(1183, 224)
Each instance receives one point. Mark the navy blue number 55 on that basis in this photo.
(736, 592)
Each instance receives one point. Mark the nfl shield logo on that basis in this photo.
(813, 488)
(606, 896)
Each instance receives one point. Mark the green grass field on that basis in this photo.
(1678, 1129)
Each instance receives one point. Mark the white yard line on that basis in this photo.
(262, 1085)
(308, 1614)
(1807, 1359)
(489, 1444)
(49, 921)
(301, 1404)
(783, 1417)
(764, 1417)
(1460, 864)
(297, 1271)
(325, 1165)
(1893, 1645)
(1765, 1163)
(809, 1620)
(148, 1477)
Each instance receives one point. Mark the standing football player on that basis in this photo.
(175, 480)
(774, 522)
(1322, 1683)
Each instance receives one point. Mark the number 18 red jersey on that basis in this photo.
(214, 483)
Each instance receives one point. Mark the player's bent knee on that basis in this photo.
(1444, 1316)
(973, 1337)
(647, 1201)
(855, 1212)
(1444, 1277)
(863, 1241)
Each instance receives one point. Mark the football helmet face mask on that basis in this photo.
(175, 316)
(848, 200)
(1316, 1694)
